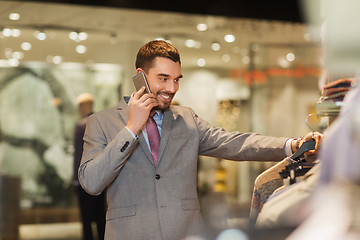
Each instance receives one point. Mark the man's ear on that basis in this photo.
(139, 70)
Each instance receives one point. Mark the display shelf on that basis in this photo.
(328, 108)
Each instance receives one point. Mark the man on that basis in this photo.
(153, 196)
(92, 208)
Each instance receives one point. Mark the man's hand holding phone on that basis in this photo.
(140, 106)
(140, 80)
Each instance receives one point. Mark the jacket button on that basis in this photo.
(157, 176)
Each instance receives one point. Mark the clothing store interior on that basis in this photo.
(276, 69)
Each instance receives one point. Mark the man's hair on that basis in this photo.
(157, 48)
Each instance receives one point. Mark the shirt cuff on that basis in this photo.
(288, 150)
(131, 132)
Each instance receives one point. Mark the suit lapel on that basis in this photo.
(165, 132)
(145, 148)
(123, 109)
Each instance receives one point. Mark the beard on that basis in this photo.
(163, 105)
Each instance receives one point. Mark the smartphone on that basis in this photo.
(140, 80)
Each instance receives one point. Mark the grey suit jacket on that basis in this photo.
(159, 202)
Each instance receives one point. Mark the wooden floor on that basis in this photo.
(49, 215)
(46, 223)
(50, 231)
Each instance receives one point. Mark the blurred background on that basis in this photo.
(247, 66)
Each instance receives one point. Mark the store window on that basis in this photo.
(38, 114)
(51, 53)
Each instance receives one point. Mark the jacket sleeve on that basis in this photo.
(217, 142)
(102, 160)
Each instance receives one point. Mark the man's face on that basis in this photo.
(163, 79)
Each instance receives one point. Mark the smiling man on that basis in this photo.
(144, 152)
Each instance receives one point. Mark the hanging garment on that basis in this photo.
(265, 184)
(335, 204)
(340, 151)
(272, 180)
(335, 91)
(288, 207)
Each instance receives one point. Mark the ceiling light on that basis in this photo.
(26, 46)
(83, 36)
(40, 35)
(245, 60)
(7, 32)
(190, 43)
(226, 57)
(57, 59)
(283, 62)
(73, 36)
(14, 16)
(78, 36)
(81, 49)
(215, 46)
(16, 32)
(290, 57)
(201, 62)
(202, 27)
(229, 38)
(18, 55)
(307, 36)
(8, 52)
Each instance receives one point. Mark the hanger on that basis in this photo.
(299, 167)
(306, 146)
(295, 169)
